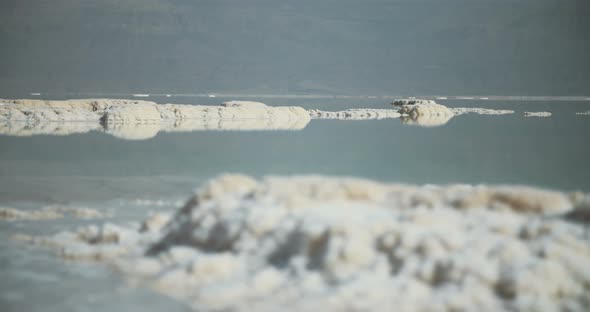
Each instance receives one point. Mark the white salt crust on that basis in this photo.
(310, 243)
(48, 213)
(537, 114)
(137, 119)
(481, 111)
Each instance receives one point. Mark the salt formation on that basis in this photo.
(48, 213)
(23, 128)
(404, 102)
(425, 113)
(312, 243)
(537, 114)
(584, 113)
(355, 114)
(34, 111)
(136, 119)
(411, 111)
(481, 111)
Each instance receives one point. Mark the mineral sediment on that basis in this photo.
(318, 243)
(481, 111)
(537, 114)
(136, 119)
(355, 114)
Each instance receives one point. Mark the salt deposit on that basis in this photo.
(23, 128)
(136, 119)
(311, 243)
(426, 113)
(480, 111)
(355, 114)
(48, 213)
(537, 114)
(426, 110)
(584, 113)
(404, 102)
(426, 120)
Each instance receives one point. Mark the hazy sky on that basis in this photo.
(535, 47)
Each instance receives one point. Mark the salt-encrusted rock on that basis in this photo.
(46, 114)
(516, 198)
(48, 213)
(426, 115)
(355, 114)
(581, 212)
(12, 214)
(132, 114)
(97, 105)
(315, 243)
(249, 104)
(404, 102)
(234, 110)
(132, 119)
(481, 111)
(423, 112)
(24, 128)
(537, 114)
(90, 110)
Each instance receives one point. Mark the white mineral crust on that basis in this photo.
(311, 243)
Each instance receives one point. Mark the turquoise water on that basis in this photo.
(80, 49)
(119, 176)
(548, 152)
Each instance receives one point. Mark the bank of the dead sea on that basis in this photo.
(311, 243)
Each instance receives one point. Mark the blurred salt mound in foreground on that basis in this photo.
(135, 119)
(313, 243)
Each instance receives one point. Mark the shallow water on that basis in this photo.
(130, 179)
(549, 152)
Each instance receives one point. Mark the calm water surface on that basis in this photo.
(133, 178)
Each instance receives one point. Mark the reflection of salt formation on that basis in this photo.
(23, 128)
(427, 114)
(133, 119)
(133, 131)
(481, 111)
(316, 243)
(355, 114)
(537, 114)
(142, 131)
